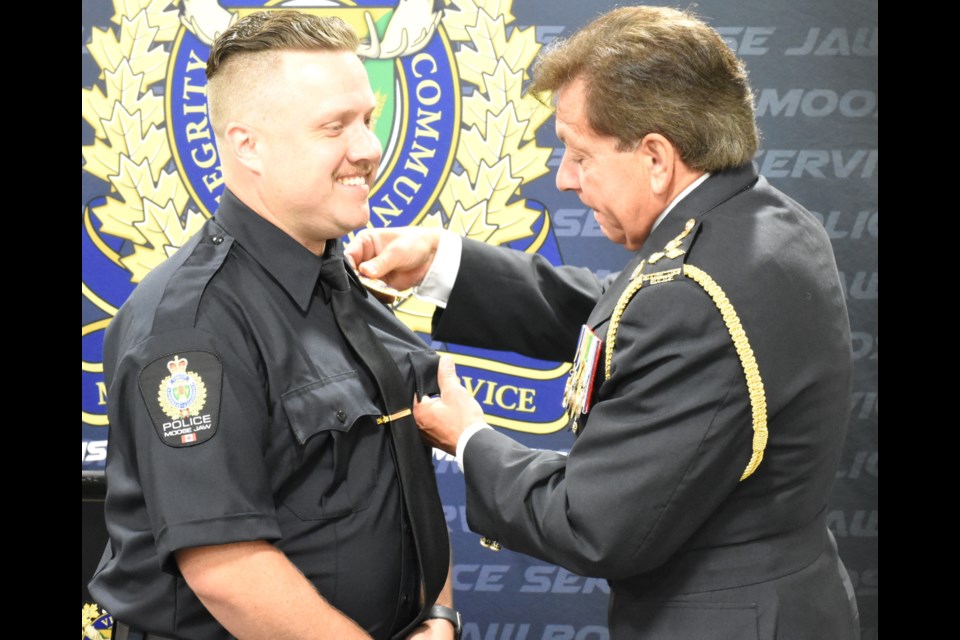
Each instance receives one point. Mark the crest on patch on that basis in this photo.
(182, 393)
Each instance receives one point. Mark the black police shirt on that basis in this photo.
(238, 413)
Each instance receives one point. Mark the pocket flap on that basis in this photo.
(331, 404)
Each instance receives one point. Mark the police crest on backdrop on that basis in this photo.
(457, 133)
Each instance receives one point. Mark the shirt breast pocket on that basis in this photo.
(341, 450)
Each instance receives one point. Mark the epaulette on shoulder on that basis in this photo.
(668, 265)
(202, 257)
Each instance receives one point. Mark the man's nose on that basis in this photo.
(364, 146)
(567, 177)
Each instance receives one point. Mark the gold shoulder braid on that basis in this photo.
(758, 398)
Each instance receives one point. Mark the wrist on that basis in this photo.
(441, 272)
(464, 438)
(443, 615)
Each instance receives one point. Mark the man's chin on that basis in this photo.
(361, 221)
(614, 236)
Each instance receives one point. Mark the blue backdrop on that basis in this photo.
(465, 149)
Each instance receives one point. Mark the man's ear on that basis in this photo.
(243, 142)
(660, 156)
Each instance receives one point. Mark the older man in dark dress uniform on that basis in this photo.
(710, 392)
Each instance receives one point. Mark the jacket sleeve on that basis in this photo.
(663, 446)
(510, 300)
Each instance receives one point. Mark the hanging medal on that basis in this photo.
(578, 392)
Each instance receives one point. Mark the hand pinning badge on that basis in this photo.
(384, 292)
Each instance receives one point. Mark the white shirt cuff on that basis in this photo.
(468, 433)
(439, 281)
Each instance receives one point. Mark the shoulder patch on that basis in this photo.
(182, 393)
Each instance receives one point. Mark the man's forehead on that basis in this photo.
(319, 65)
(571, 107)
(331, 74)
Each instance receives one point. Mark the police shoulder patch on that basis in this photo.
(182, 393)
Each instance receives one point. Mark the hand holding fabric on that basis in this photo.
(443, 420)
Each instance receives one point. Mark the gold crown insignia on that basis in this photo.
(177, 365)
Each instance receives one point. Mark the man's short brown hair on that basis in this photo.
(658, 70)
(280, 30)
(245, 52)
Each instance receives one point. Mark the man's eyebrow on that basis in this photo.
(569, 137)
(342, 114)
(333, 116)
(574, 147)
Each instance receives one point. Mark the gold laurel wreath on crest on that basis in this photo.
(90, 613)
(147, 202)
(497, 147)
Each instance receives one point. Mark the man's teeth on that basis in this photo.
(356, 181)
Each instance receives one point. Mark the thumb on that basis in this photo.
(447, 375)
(382, 264)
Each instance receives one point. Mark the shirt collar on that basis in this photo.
(683, 194)
(288, 261)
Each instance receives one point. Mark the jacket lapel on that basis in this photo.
(718, 188)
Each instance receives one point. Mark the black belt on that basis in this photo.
(123, 631)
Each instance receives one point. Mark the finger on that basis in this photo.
(424, 402)
(447, 375)
(389, 258)
(355, 250)
(422, 409)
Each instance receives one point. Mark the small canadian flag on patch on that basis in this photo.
(189, 437)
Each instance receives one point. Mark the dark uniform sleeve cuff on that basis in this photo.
(240, 528)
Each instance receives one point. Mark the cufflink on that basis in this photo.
(490, 543)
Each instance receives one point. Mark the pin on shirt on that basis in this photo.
(384, 292)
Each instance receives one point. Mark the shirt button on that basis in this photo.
(216, 239)
(341, 415)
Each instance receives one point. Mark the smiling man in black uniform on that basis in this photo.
(253, 473)
(712, 390)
